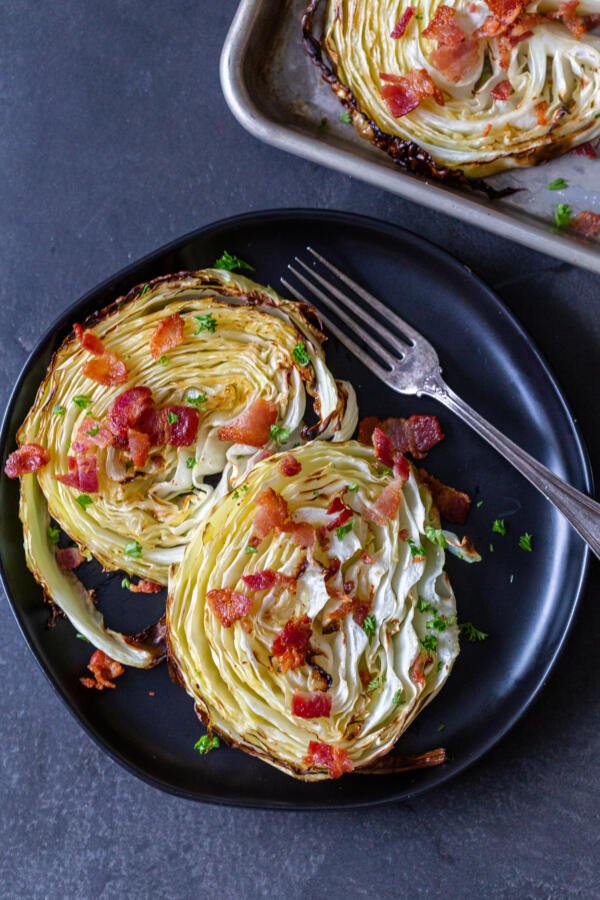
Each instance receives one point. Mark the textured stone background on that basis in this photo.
(115, 139)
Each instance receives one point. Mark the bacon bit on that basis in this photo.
(502, 90)
(154, 422)
(69, 558)
(273, 513)
(366, 559)
(361, 611)
(127, 410)
(402, 23)
(107, 370)
(228, 605)
(591, 21)
(540, 112)
(336, 505)
(444, 28)
(89, 341)
(349, 586)
(417, 671)
(167, 334)
(290, 466)
(301, 533)
(334, 759)
(586, 223)
(365, 677)
(103, 437)
(311, 704)
(504, 13)
(456, 54)
(152, 693)
(566, 11)
(415, 435)
(386, 505)
(382, 445)
(452, 504)
(103, 668)
(487, 129)
(292, 643)
(585, 149)
(332, 569)
(182, 432)
(403, 93)
(252, 426)
(144, 586)
(28, 458)
(340, 520)
(83, 474)
(403, 534)
(139, 447)
(262, 581)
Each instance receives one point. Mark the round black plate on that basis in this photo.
(524, 600)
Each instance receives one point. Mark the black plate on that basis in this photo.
(524, 600)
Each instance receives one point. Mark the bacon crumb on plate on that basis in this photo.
(452, 504)
(402, 23)
(69, 558)
(104, 669)
(334, 759)
(586, 223)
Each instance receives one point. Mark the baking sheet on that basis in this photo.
(276, 93)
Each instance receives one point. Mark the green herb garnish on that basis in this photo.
(300, 354)
(352, 487)
(479, 504)
(562, 215)
(133, 549)
(172, 418)
(398, 698)
(84, 501)
(429, 643)
(163, 360)
(195, 401)
(559, 184)
(82, 637)
(53, 534)
(230, 262)
(82, 401)
(525, 542)
(424, 606)
(441, 726)
(144, 290)
(59, 410)
(191, 462)
(471, 633)
(94, 430)
(415, 549)
(125, 584)
(369, 626)
(436, 536)
(343, 530)
(206, 322)
(345, 118)
(374, 684)
(491, 548)
(440, 623)
(207, 743)
(251, 549)
(279, 434)
(499, 527)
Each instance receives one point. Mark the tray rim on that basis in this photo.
(248, 113)
(96, 734)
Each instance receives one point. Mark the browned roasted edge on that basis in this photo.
(407, 154)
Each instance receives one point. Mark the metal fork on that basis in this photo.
(412, 366)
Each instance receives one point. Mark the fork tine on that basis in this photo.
(392, 339)
(364, 335)
(366, 360)
(381, 308)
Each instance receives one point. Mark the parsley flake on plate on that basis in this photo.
(471, 633)
(345, 118)
(525, 542)
(559, 184)
(499, 527)
(207, 743)
(229, 262)
(562, 215)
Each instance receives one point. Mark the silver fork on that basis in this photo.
(412, 366)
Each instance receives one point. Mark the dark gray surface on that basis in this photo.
(116, 140)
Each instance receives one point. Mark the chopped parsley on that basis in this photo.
(206, 322)
(491, 548)
(352, 487)
(471, 633)
(84, 501)
(300, 354)
(195, 401)
(230, 262)
(374, 684)
(163, 361)
(440, 623)
(436, 536)
(207, 743)
(440, 665)
(562, 215)
(172, 418)
(133, 549)
(441, 726)
(343, 530)
(125, 584)
(369, 626)
(559, 184)
(59, 410)
(93, 431)
(429, 643)
(424, 606)
(279, 434)
(251, 549)
(415, 549)
(144, 290)
(82, 401)
(53, 534)
(191, 462)
(82, 637)
(499, 527)
(345, 118)
(525, 542)
(479, 504)
(398, 697)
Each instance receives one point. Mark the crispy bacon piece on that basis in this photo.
(585, 149)
(252, 426)
(139, 447)
(540, 111)
(586, 223)
(386, 505)
(311, 704)
(359, 609)
(455, 54)
(144, 586)
(83, 474)
(28, 458)
(107, 370)
(384, 451)
(417, 670)
(324, 756)
(69, 557)
(345, 515)
(365, 559)
(402, 23)
(167, 334)
(444, 28)
(104, 669)
(503, 14)
(292, 643)
(228, 605)
(154, 422)
(101, 434)
(502, 90)
(566, 11)
(301, 533)
(127, 410)
(290, 466)
(452, 504)
(265, 579)
(89, 341)
(403, 93)
(415, 435)
(183, 431)
(272, 513)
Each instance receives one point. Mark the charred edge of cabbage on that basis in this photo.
(406, 154)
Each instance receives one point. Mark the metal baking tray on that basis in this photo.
(277, 94)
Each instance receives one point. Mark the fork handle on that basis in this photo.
(581, 511)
